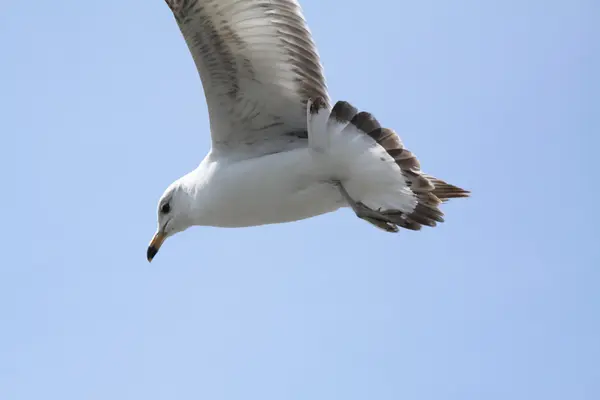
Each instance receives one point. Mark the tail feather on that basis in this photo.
(343, 111)
(428, 191)
(406, 223)
(365, 122)
(445, 191)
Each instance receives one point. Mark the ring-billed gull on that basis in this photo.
(280, 152)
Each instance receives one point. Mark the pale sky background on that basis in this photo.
(101, 108)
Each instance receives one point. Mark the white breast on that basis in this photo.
(277, 188)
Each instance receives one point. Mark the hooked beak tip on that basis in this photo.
(154, 245)
(151, 253)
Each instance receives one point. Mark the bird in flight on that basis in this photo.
(280, 151)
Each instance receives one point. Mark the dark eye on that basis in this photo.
(165, 208)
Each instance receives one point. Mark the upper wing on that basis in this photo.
(258, 65)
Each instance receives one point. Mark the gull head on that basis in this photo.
(174, 215)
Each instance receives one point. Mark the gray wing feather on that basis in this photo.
(258, 65)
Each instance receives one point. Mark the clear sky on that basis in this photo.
(101, 108)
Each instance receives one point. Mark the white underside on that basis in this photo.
(282, 187)
(298, 184)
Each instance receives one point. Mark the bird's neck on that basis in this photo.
(195, 194)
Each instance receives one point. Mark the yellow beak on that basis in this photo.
(155, 244)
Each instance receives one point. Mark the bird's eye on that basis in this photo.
(165, 208)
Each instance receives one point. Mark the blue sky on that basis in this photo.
(102, 108)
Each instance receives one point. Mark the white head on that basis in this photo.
(175, 211)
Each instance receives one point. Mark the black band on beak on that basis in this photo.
(151, 252)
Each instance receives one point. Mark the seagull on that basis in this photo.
(280, 151)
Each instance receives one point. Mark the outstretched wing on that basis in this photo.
(258, 65)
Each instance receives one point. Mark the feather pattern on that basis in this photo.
(258, 65)
(428, 191)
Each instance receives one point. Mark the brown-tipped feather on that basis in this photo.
(408, 161)
(445, 190)
(400, 219)
(317, 104)
(417, 182)
(429, 191)
(343, 111)
(382, 134)
(365, 122)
